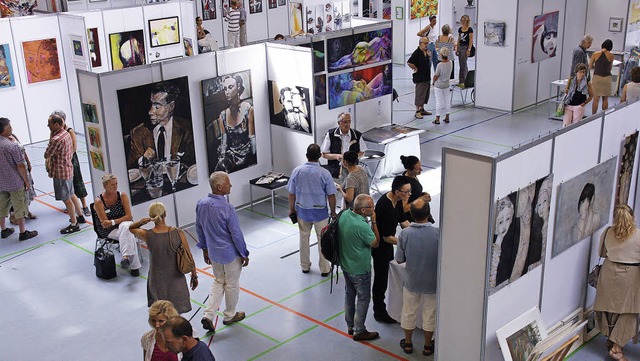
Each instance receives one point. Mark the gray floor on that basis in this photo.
(54, 308)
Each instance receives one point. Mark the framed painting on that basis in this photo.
(96, 160)
(165, 31)
(41, 60)
(94, 136)
(77, 49)
(209, 10)
(255, 6)
(359, 86)
(625, 170)
(89, 113)
(518, 338)
(615, 25)
(494, 33)
(289, 106)
(6, 68)
(320, 89)
(127, 49)
(545, 36)
(94, 47)
(423, 8)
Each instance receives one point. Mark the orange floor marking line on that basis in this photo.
(56, 208)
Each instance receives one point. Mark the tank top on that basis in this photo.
(602, 66)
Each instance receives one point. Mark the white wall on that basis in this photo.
(13, 95)
(526, 73)
(159, 11)
(72, 25)
(93, 19)
(549, 70)
(575, 20)
(598, 14)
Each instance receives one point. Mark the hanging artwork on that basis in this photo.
(188, 46)
(229, 122)
(41, 60)
(6, 69)
(320, 89)
(339, 52)
(127, 49)
(208, 9)
(386, 9)
(545, 36)
(310, 16)
(9, 8)
(89, 113)
(158, 138)
(164, 31)
(358, 86)
(77, 51)
(518, 338)
(494, 33)
(94, 47)
(282, 2)
(320, 20)
(94, 136)
(295, 10)
(318, 56)
(96, 160)
(289, 106)
(370, 47)
(255, 6)
(327, 15)
(273, 4)
(627, 161)
(423, 8)
(504, 238)
(584, 205)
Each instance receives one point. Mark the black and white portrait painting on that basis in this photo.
(229, 122)
(494, 33)
(545, 36)
(584, 205)
(289, 106)
(504, 239)
(158, 138)
(625, 171)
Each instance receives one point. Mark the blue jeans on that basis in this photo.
(434, 55)
(356, 313)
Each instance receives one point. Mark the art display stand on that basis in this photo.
(468, 308)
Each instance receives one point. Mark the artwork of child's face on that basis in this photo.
(542, 207)
(503, 220)
(549, 43)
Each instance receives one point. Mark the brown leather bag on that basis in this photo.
(184, 258)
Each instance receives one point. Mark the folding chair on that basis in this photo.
(469, 84)
(96, 222)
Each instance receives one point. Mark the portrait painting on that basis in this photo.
(423, 8)
(41, 60)
(518, 337)
(494, 33)
(358, 86)
(96, 160)
(505, 238)
(296, 18)
(208, 9)
(339, 52)
(94, 47)
(273, 4)
(229, 122)
(370, 47)
(188, 46)
(89, 113)
(255, 6)
(320, 89)
(127, 49)
(158, 138)
(545, 36)
(625, 170)
(6, 68)
(164, 31)
(94, 136)
(584, 205)
(289, 106)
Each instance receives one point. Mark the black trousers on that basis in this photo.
(380, 280)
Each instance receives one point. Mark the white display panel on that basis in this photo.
(40, 98)
(565, 275)
(93, 19)
(598, 14)
(188, 23)
(119, 20)
(13, 95)
(277, 20)
(573, 33)
(156, 12)
(257, 27)
(234, 60)
(197, 69)
(549, 69)
(374, 112)
(72, 27)
(492, 60)
(526, 72)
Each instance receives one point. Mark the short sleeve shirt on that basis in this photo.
(463, 36)
(355, 237)
(311, 185)
(422, 62)
(10, 179)
(359, 180)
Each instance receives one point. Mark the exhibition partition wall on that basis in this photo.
(125, 108)
(511, 234)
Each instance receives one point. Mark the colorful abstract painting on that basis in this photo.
(164, 31)
(41, 60)
(89, 113)
(96, 160)
(94, 47)
(358, 86)
(423, 8)
(545, 36)
(127, 49)
(208, 9)
(6, 69)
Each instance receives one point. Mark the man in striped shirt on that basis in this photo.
(232, 16)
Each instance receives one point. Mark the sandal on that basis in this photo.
(406, 347)
(616, 355)
(428, 350)
(435, 122)
(446, 120)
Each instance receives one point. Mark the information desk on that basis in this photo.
(271, 187)
(394, 140)
(397, 275)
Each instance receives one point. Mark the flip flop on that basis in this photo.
(406, 347)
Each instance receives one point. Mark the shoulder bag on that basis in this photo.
(185, 261)
(592, 278)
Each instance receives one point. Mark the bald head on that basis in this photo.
(420, 210)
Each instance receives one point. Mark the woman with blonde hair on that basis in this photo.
(463, 47)
(165, 281)
(617, 304)
(153, 346)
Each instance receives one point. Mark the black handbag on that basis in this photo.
(592, 278)
(104, 260)
(472, 53)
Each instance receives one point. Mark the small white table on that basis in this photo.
(397, 275)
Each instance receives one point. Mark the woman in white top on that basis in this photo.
(617, 303)
(431, 32)
(153, 346)
(441, 86)
(631, 90)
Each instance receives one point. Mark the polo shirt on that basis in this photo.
(355, 237)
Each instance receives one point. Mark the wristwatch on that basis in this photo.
(113, 223)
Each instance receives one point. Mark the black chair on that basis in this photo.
(96, 222)
(469, 84)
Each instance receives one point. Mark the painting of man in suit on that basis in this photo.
(157, 128)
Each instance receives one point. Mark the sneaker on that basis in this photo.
(419, 114)
(135, 272)
(365, 336)
(324, 274)
(385, 318)
(239, 316)
(7, 232)
(70, 229)
(125, 263)
(86, 211)
(207, 324)
(305, 271)
(27, 234)
(80, 219)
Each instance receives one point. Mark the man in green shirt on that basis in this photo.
(357, 238)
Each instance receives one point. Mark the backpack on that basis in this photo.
(330, 245)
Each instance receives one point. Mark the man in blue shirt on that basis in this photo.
(178, 337)
(309, 188)
(223, 247)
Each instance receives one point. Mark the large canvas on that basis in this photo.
(94, 47)
(584, 205)
(229, 122)
(339, 52)
(296, 17)
(158, 138)
(494, 33)
(625, 172)
(518, 338)
(41, 60)
(505, 237)
(289, 106)
(127, 49)
(318, 56)
(423, 8)
(545, 36)
(164, 31)
(358, 86)
(6, 69)
(370, 47)
(208, 9)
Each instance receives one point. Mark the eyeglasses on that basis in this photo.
(405, 192)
